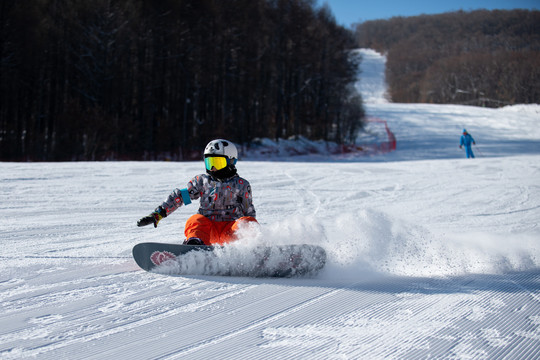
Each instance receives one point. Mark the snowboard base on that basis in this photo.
(262, 261)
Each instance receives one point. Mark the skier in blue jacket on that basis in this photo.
(467, 141)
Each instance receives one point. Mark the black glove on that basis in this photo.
(153, 218)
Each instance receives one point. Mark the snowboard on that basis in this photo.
(260, 261)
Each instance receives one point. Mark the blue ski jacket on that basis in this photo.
(466, 140)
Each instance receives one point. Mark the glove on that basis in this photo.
(153, 218)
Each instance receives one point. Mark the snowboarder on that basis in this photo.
(225, 199)
(467, 141)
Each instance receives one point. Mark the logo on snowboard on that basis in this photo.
(158, 257)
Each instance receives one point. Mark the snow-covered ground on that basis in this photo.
(430, 254)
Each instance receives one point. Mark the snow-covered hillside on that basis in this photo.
(430, 254)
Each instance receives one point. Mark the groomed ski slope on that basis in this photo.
(431, 255)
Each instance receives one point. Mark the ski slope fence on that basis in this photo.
(391, 143)
(377, 147)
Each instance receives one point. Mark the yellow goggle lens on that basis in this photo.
(216, 162)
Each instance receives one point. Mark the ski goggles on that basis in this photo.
(217, 162)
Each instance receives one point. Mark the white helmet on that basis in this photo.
(224, 148)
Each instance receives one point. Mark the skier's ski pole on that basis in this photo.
(478, 149)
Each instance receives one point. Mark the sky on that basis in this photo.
(348, 12)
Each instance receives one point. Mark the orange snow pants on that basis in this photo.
(214, 232)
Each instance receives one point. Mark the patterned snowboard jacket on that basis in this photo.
(226, 200)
